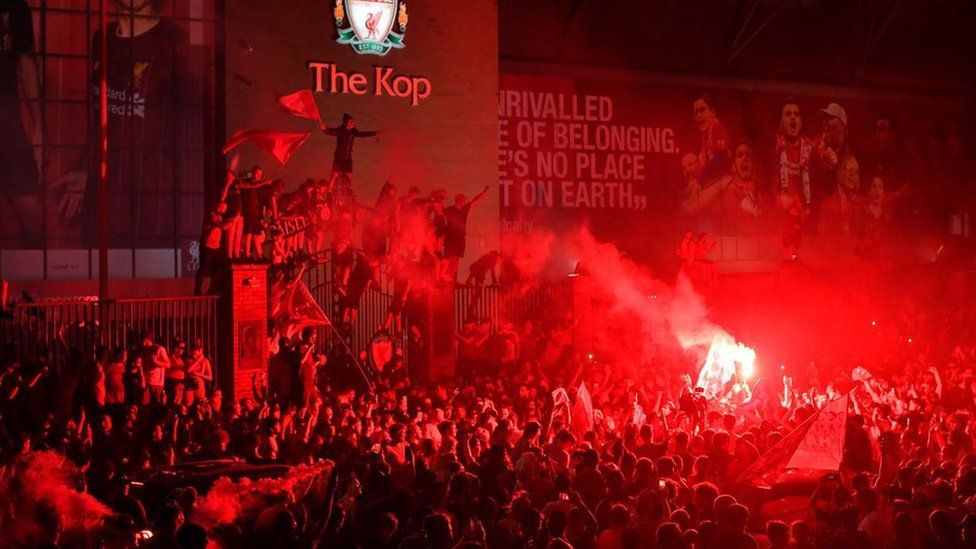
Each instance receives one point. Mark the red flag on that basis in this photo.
(298, 310)
(582, 420)
(280, 145)
(560, 407)
(638, 416)
(814, 444)
(279, 295)
(823, 447)
(301, 103)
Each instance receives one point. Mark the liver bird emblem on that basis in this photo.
(372, 22)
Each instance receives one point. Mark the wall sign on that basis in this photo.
(370, 23)
(328, 78)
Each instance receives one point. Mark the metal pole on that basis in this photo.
(352, 355)
(103, 213)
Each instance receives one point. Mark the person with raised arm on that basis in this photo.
(456, 231)
(345, 134)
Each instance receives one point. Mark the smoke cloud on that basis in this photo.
(633, 316)
(43, 489)
(528, 252)
(239, 502)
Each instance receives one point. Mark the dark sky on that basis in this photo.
(910, 45)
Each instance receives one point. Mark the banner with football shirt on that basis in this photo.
(160, 109)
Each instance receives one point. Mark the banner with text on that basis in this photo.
(647, 165)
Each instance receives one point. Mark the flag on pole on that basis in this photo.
(638, 417)
(280, 145)
(301, 103)
(582, 420)
(279, 290)
(560, 407)
(823, 447)
(821, 438)
(298, 310)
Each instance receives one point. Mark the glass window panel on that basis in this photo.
(66, 78)
(153, 219)
(190, 177)
(190, 219)
(156, 186)
(156, 262)
(66, 33)
(67, 123)
(193, 9)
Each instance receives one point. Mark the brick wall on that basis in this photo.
(244, 329)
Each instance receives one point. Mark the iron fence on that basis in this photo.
(370, 315)
(33, 331)
(540, 303)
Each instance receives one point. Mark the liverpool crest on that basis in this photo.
(371, 26)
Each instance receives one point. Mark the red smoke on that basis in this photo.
(230, 502)
(42, 486)
(632, 315)
(528, 252)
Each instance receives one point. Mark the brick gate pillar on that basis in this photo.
(244, 329)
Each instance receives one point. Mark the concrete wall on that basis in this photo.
(448, 140)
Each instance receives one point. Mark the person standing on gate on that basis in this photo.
(456, 233)
(342, 158)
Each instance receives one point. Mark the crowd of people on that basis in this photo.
(530, 445)
(816, 180)
(415, 236)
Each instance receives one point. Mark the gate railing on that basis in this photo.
(371, 312)
(543, 304)
(33, 330)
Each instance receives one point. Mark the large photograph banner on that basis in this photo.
(160, 112)
(650, 165)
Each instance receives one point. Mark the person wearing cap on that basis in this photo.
(835, 127)
(832, 146)
(342, 157)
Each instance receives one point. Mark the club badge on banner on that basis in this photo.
(823, 447)
(816, 444)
